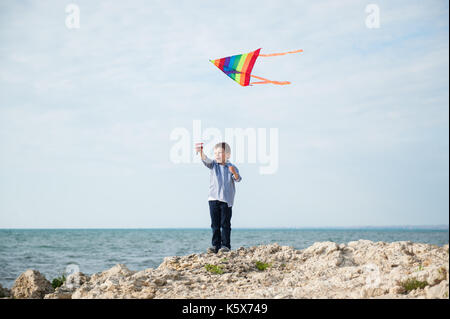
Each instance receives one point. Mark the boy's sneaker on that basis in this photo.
(212, 250)
(224, 250)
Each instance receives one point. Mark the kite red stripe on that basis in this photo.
(250, 65)
(221, 63)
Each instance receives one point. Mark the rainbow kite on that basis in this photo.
(239, 67)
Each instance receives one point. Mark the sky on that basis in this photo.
(86, 113)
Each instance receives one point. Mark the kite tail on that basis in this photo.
(283, 53)
(266, 81)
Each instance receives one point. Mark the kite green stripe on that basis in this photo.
(240, 66)
(236, 62)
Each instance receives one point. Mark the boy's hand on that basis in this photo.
(233, 171)
(199, 147)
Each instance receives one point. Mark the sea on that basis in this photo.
(54, 252)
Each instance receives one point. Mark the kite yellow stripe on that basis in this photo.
(239, 68)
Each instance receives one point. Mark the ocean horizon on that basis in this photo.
(54, 251)
(400, 227)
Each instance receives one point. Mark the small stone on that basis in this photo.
(372, 292)
(433, 292)
(397, 290)
(339, 261)
(4, 292)
(160, 281)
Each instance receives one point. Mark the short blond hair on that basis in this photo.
(224, 147)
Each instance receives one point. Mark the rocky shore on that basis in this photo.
(358, 269)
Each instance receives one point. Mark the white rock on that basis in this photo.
(323, 270)
(31, 285)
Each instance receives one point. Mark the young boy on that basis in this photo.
(221, 195)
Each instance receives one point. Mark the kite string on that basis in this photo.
(283, 53)
(266, 81)
(263, 80)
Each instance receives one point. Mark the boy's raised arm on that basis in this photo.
(208, 162)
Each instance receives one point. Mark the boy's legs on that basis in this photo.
(215, 213)
(225, 223)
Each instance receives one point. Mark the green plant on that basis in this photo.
(262, 266)
(420, 268)
(214, 269)
(58, 281)
(412, 284)
(224, 260)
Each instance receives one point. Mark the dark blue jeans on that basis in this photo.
(220, 218)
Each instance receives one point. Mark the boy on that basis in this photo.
(221, 194)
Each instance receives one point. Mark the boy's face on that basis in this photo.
(220, 155)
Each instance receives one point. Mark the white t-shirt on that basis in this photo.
(211, 198)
